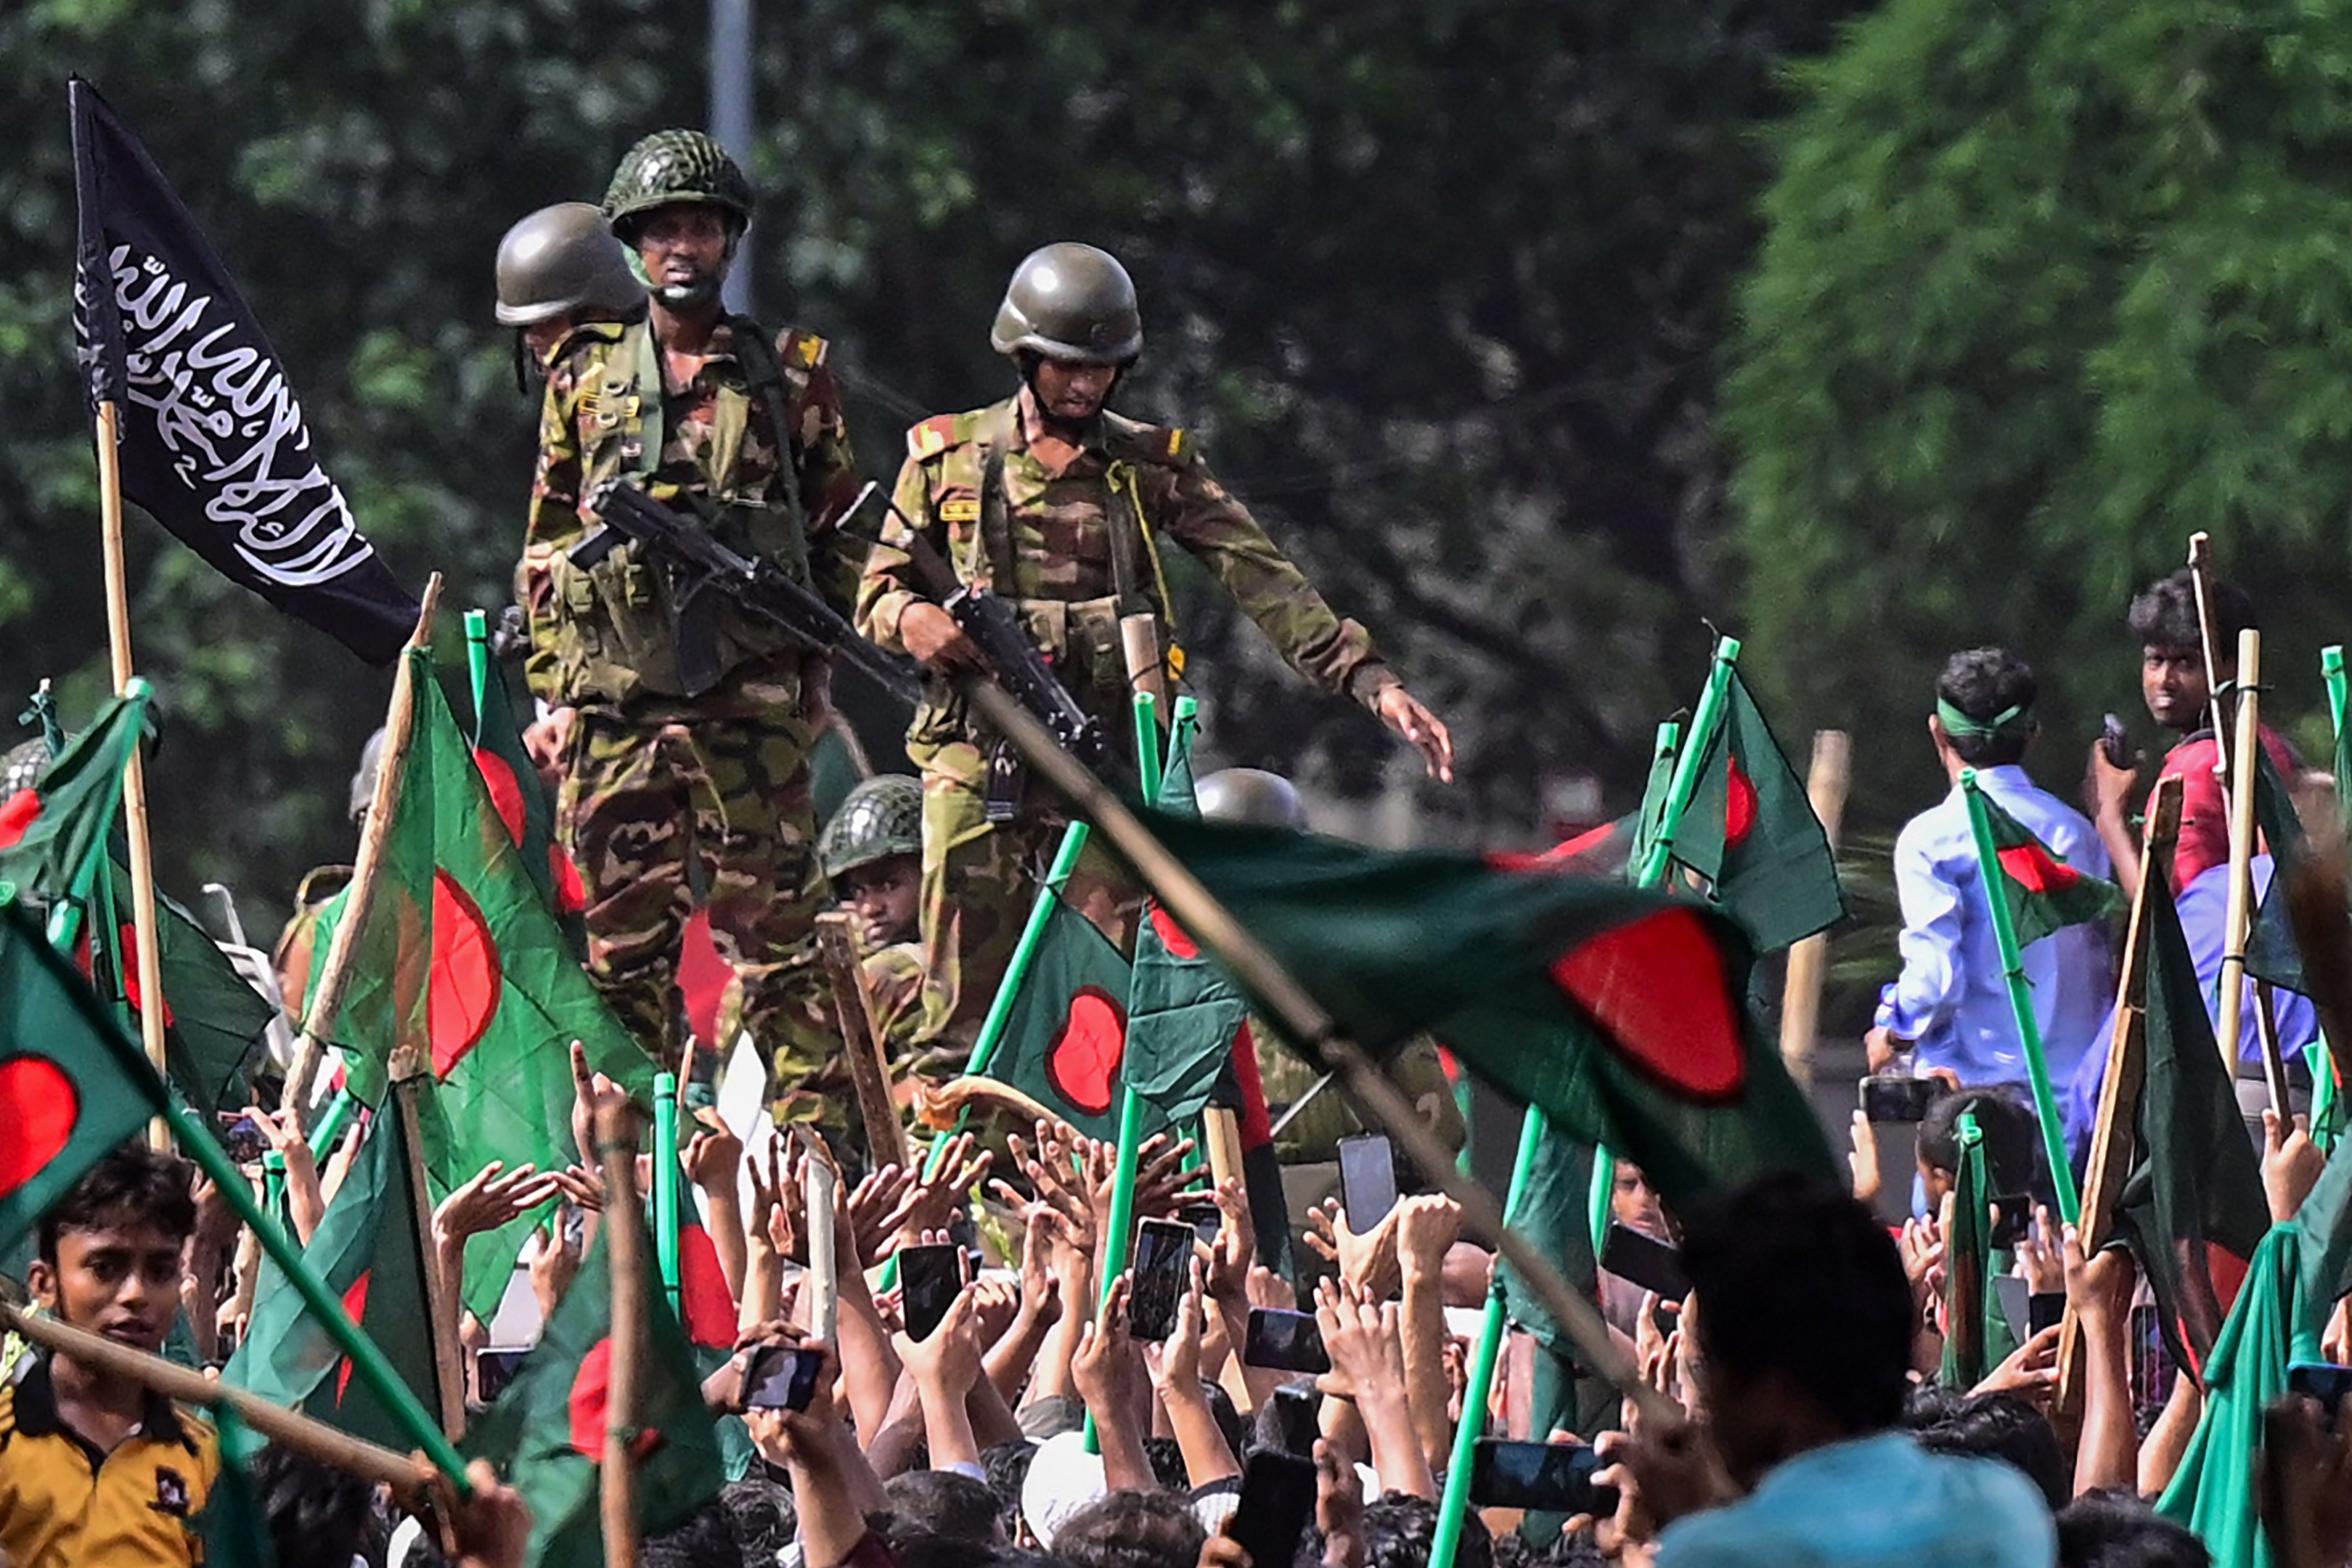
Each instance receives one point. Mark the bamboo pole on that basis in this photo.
(869, 1072)
(140, 841)
(2230, 1012)
(2200, 582)
(616, 1150)
(1809, 961)
(335, 976)
(444, 1293)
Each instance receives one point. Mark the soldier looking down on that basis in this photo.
(1060, 506)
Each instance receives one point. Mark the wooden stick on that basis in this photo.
(312, 1439)
(616, 1151)
(442, 1294)
(1220, 1132)
(869, 1072)
(2242, 854)
(1290, 1006)
(1138, 638)
(136, 830)
(2200, 583)
(335, 976)
(1800, 992)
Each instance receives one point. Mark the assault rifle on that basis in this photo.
(700, 568)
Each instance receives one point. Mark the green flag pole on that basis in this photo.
(329, 1130)
(2020, 1000)
(1453, 1504)
(666, 1193)
(478, 659)
(2321, 1061)
(273, 1184)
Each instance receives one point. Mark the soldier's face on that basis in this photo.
(683, 245)
(540, 337)
(1073, 392)
(886, 896)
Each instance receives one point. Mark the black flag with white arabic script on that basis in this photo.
(213, 441)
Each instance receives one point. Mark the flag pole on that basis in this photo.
(1801, 990)
(134, 779)
(2200, 583)
(2230, 1012)
(616, 1151)
(1964, 1348)
(478, 659)
(65, 920)
(446, 1312)
(1293, 1009)
(335, 977)
(2020, 1000)
(666, 1193)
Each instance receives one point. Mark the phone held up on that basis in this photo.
(1544, 1478)
(1368, 1187)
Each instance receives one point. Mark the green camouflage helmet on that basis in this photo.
(881, 817)
(675, 166)
(1070, 301)
(1251, 796)
(564, 258)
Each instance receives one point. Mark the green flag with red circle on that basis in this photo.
(56, 827)
(1752, 835)
(526, 809)
(1065, 1042)
(2045, 894)
(72, 1088)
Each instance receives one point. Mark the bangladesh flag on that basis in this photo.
(546, 1433)
(213, 1019)
(1968, 1264)
(1620, 1013)
(72, 1088)
(235, 1523)
(2045, 894)
(2297, 1274)
(1751, 833)
(1066, 1037)
(2192, 1208)
(523, 805)
(464, 974)
(707, 1305)
(369, 1251)
(53, 828)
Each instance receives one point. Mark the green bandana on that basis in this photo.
(1960, 727)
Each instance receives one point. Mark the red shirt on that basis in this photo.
(2204, 810)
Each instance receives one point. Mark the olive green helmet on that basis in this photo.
(1070, 301)
(881, 817)
(675, 166)
(564, 258)
(1251, 796)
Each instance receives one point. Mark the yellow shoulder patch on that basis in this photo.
(808, 349)
(932, 437)
(1175, 443)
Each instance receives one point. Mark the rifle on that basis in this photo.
(699, 566)
(1010, 656)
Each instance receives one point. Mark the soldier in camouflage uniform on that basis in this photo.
(872, 854)
(557, 269)
(671, 793)
(1060, 506)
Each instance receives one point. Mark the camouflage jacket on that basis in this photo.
(1060, 540)
(604, 633)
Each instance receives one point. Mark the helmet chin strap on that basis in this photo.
(692, 296)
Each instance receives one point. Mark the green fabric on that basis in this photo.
(2271, 951)
(1960, 727)
(526, 808)
(1968, 1264)
(1552, 1209)
(1065, 1041)
(2192, 1208)
(1751, 833)
(369, 1251)
(1622, 1013)
(72, 1087)
(214, 1018)
(2044, 893)
(546, 1432)
(463, 962)
(235, 1525)
(50, 829)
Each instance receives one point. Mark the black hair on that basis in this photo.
(2012, 1138)
(1798, 1279)
(133, 1185)
(316, 1512)
(1005, 1466)
(1131, 1530)
(945, 1503)
(706, 1540)
(2115, 1527)
(763, 1515)
(1984, 683)
(1992, 1426)
(1399, 1531)
(2164, 614)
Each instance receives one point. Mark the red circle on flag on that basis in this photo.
(709, 1305)
(1657, 989)
(506, 793)
(591, 1396)
(1082, 1062)
(17, 816)
(467, 978)
(564, 875)
(1738, 807)
(2031, 866)
(40, 1106)
(1172, 935)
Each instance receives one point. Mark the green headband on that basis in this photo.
(1960, 727)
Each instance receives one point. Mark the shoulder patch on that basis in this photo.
(1151, 442)
(937, 433)
(803, 349)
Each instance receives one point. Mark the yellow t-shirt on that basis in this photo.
(63, 1503)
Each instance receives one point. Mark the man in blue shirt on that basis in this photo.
(1950, 1004)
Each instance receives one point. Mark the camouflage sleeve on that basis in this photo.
(554, 522)
(1203, 516)
(827, 473)
(889, 585)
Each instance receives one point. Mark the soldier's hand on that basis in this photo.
(936, 641)
(1403, 711)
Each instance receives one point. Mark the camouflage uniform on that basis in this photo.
(667, 796)
(1071, 553)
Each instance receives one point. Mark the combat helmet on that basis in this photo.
(1251, 796)
(881, 817)
(1070, 301)
(565, 258)
(675, 166)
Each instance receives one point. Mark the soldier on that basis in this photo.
(669, 792)
(871, 852)
(1060, 505)
(557, 269)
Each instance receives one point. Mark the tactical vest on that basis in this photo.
(619, 617)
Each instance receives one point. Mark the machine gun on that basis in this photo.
(700, 568)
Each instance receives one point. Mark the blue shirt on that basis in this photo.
(1881, 1502)
(1952, 997)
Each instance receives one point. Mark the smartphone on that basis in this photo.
(1897, 1097)
(2324, 1381)
(1646, 1261)
(1162, 1270)
(930, 1276)
(1547, 1478)
(493, 1370)
(1297, 1417)
(1206, 1220)
(2116, 741)
(1277, 1501)
(781, 1378)
(1366, 1180)
(2011, 1295)
(1286, 1341)
(2044, 1310)
(242, 1139)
